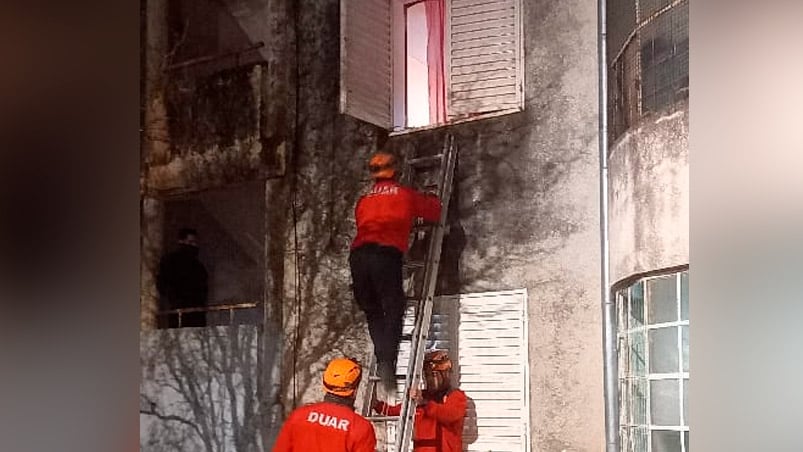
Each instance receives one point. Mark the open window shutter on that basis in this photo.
(484, 56)
(365, 60)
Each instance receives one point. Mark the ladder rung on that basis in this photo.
(382, 418)
(423, 227)
(413, 265)
(425, 161)
(399, 377)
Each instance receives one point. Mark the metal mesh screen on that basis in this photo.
(648, 59)
(647, 8)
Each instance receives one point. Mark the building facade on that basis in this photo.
(259, 118)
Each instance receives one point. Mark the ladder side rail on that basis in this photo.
(404, 436)
(368, 397)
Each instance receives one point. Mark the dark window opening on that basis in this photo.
(229, 226)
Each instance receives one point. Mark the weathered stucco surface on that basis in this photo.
(199, 392)
(325, 175)
(649, 195)
(210, 130)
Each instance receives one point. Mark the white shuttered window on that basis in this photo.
(486, 335)
(365, 60)
(482, 59)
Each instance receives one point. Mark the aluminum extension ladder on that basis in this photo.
(419, 173)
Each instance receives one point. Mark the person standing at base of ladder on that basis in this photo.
(331, 425)
(385, 217)
(440, 409)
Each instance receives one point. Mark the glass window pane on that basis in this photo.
(686, 402)
(624, 436)
(664, 403)
(665, 441)
(684, 296)
(640, 436)
(664, 350)
(623, 353)
(685, 347)
(639, 401)
(417, 68)
(621, 309)
(686, 440)
(662, 299)
(624, 403)
(638, 358)
(636, 305)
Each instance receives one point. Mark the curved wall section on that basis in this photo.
(649, 195)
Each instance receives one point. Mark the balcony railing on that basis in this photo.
(228, 310)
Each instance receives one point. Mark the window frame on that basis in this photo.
(630, 380)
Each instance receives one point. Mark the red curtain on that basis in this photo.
(435, 51)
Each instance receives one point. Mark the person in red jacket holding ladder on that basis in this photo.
(385, 216)
(331, 425)
(440, 409)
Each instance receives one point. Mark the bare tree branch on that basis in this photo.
(152, 411)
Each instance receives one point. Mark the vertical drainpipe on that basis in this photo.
(608, 308)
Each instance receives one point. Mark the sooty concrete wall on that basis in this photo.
(649, 195)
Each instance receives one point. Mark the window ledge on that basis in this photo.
(492, 114)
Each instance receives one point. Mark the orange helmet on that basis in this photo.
(342, 376)
(437, 360)
(382, 165)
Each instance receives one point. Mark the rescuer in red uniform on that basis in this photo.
(440, 408)
(385, 216)
(331, 425)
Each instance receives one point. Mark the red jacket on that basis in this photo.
(438, 425)
(325, 427)
(385, 215)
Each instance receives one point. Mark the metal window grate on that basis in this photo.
(648, 59)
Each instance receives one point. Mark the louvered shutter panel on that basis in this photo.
(484, 57)
(365, 60)
(491, 358)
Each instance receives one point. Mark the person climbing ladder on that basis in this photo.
(385, 217)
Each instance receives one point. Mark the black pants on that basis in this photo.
(376, 274)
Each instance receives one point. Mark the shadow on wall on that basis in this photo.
(200, 390)
(454, 242)
(328, 179)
